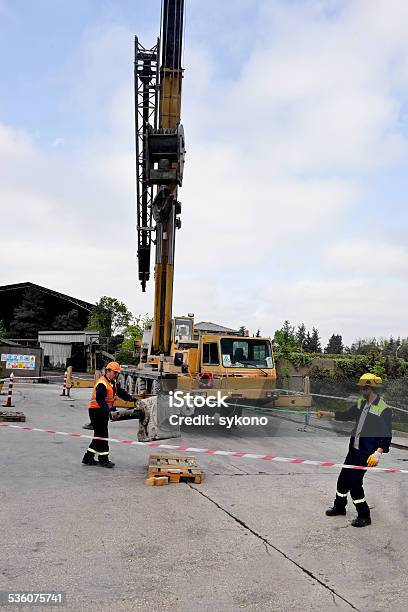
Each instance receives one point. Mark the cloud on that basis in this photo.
(284, 143)
(249, 217)
(68, 221)
(369, 258)
(314, 96)
(354, 307)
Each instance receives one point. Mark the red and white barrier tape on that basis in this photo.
(208, 451)
(349, 399)
(45, 377)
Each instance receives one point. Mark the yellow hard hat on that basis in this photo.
(370, 380)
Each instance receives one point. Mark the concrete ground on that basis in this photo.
(252, 536)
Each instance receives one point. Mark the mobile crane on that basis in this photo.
(171, 356)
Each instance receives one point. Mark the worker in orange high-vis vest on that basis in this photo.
(101, 404)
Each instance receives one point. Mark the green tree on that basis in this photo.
(301, 335)
(307, 343)
(390, 346)
(285, 339)
(3, 330)
(134, 331)
(312, 344)
(288, 331)
(365, 346)
(30, 316)
(403, 350)
(335, 345)
(109, 316)
(68, 321)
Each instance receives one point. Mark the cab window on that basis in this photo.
(183, 331)
(246, 353)
(210, 353)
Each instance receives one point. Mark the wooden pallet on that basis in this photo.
(11, 415)
(176, 467)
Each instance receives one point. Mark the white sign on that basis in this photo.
(226, 361)
(18, 362)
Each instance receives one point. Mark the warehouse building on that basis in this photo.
(63, 348)
(55, 303)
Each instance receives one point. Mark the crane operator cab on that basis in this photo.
(182, 330)
(182, 336)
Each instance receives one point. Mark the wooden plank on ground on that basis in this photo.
(11, 415)
(176, 467)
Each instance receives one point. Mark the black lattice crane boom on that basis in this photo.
(160, 161)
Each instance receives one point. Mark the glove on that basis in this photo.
(374, 459)
(323, 413)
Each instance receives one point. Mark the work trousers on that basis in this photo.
(351, 481)
(99, 420)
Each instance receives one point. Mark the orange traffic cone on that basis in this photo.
(8, 403)
(64, 386)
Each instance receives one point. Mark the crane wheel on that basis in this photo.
(141, 386)
(156, 387)
(187, 410)
(121, 380)
(129, 385)
(232, 410)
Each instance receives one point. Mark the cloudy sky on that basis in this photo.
(296, 188)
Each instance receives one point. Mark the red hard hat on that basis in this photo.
(114, 366)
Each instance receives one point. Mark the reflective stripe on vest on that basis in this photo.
(365, 408)
(110, 394)
(375, 409)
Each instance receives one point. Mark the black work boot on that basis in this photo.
(361, 521)
(105, 462)
(89, 459)
(336, 511)
(87, 426)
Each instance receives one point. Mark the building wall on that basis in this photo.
(57, 353)
(293, 378)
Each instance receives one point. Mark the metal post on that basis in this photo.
(306, 391)
(69, 381)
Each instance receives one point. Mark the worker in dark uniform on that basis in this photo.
(100, 406)
(370, 438)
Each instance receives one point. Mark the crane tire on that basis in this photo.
(156, 387)
(141, 386)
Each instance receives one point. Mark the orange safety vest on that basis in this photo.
(110, 393)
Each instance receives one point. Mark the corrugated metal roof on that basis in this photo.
(213, 327)
(5, 342)
(77, 302)
(67, 337)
